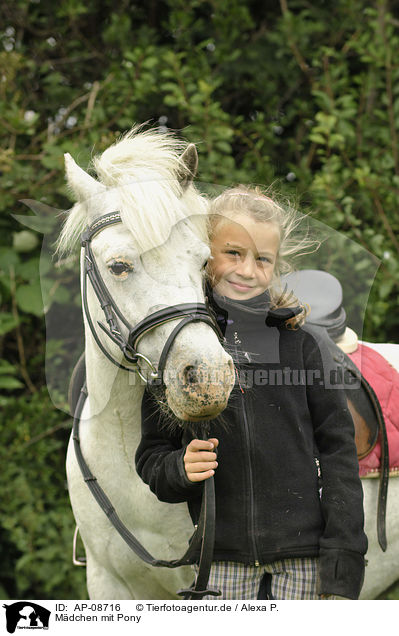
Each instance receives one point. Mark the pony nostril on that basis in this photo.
(190, 374)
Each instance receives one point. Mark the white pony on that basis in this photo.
(151, 260)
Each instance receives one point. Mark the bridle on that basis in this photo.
(188, 312)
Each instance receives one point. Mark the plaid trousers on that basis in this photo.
(288, 579)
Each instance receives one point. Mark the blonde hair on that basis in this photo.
(255, 203)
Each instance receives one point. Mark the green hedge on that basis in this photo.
(37, 524)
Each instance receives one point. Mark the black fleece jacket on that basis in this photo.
(287, 483)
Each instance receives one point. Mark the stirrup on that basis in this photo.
(75, 559)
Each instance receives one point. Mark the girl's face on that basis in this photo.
(244, 254)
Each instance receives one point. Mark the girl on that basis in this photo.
(289, 507)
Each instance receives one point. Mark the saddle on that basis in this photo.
(323, 293)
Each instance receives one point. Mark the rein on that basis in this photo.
(203, 536)
(188, 312)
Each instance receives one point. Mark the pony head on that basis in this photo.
(152, 260)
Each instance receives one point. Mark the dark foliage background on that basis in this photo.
(302, 94)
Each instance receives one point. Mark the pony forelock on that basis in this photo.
(142, 174)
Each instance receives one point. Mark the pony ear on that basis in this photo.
(189, 166)
(82, 184)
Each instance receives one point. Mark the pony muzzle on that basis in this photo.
(199, 390)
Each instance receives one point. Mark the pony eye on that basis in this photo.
(118, 268)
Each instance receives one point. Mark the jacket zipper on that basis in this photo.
(251, 490)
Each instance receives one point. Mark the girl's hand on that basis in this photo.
(200, 460)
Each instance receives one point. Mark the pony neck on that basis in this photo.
(115, 395)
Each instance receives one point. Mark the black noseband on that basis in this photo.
(187, 312)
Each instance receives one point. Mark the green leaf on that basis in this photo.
(386, 287)
(7, 379)
(29, 270)
(6, 367)
(7, 323)
(8, 257)
(25, 241)
(29, 299)
(10, 383)
(317, 138)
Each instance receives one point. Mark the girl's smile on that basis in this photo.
(244, 254)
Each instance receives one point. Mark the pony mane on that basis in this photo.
(142, 171)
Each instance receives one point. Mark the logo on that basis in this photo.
(26, 615)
